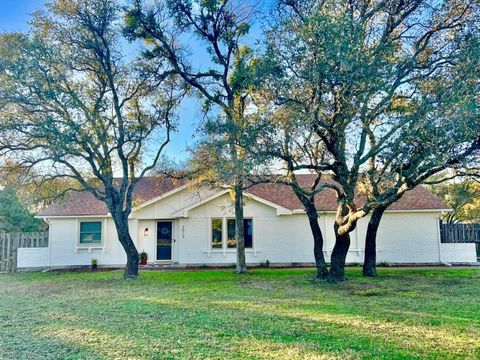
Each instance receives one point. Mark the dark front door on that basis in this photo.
(164, 240)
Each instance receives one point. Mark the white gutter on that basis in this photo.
(43, 217)
(302, 211)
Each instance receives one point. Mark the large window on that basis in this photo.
(247, 231)
(91, 232)
(217, 233)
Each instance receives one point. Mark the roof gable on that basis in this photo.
(184, 212)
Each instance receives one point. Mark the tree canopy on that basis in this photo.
(14, 215)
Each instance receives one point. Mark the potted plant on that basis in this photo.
(143, 258)
(94, 264)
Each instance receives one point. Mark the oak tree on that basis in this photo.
(76, 104)
(222, 81)
(352, 70)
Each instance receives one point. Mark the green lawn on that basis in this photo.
(266, 314)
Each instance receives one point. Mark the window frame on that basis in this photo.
(253, 230)
(90, 245)
(222, 237)
(225, 247)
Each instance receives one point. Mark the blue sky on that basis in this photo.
(15, 14)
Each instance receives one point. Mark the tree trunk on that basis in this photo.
(339, 256)
(121, 224)
(239, 233)
(370, 261)
(322, 270)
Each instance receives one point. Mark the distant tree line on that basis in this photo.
(463, 197)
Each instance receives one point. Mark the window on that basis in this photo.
(231, 241)
(217, 233)
(247, 232)
(91, 232)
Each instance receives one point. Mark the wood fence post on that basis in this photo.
(16, 241)
(9, 258)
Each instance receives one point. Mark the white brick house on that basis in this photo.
(179, 225)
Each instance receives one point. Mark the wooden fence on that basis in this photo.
(460, 233)
(10, 242)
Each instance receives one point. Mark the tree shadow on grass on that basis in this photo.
(238, 329)
(220, 315)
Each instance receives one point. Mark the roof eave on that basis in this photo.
(73, 216)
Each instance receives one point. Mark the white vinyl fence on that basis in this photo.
(11, 243)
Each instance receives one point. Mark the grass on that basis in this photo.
(266, 314)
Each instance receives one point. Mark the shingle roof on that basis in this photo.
(84, 203)
(418, 198)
